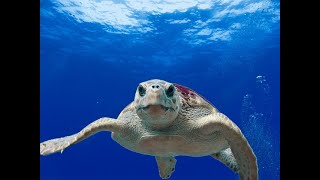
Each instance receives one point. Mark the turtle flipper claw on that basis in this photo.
(56, 145)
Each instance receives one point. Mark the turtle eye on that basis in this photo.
(142, 91)
(170, 91)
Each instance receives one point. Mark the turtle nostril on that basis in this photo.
(155, 86)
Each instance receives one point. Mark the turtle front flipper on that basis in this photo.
(166, 166)
(245, 157)
(59, 144)
(228, 159)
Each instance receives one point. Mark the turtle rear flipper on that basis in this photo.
(228, 159)
(166, 166)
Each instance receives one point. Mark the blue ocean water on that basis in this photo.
(94, 53)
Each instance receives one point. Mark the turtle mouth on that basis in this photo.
(156, 107)
(159, 106)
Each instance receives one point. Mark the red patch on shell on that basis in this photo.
(182, 88)
(186, 92)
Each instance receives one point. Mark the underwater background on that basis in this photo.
(94, 53)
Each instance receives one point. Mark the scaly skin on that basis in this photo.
(167, 120)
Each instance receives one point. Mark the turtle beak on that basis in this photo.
(154, 98)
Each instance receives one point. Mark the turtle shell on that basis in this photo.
(192, 99)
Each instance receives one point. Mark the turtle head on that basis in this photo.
(157, 103)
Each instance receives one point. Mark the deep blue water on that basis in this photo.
(94, 54)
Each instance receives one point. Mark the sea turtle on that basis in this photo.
(167, 120)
